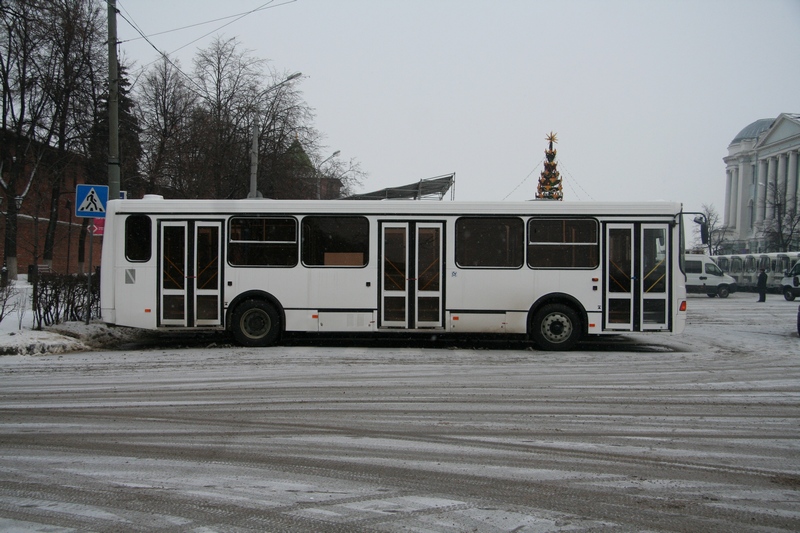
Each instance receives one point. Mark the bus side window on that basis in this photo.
(335, 241)
(489, 242)
(263, 241)
(138, 238)
(563, 243)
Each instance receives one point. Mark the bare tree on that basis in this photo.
(197, 129)
(24, 105)
(227, 80)
(165, 105)
(68, 65)
(50, 66)
(716, 231)
(348, 173)
(780, 230)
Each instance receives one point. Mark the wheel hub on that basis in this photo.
(556, 327)
(255, 324)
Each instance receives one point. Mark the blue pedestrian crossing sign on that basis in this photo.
(91, 201)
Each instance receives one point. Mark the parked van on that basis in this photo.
(790, 284)
(703, 275)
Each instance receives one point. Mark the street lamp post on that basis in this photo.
(254, 193)
(319, 173)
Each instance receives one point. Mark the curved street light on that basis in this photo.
(319, 173)
(254, 147)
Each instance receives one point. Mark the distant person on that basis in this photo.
(762, 286)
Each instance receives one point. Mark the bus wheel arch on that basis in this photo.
(256, 318)
(557, 322)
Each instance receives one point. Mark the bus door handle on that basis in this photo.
(703, 277)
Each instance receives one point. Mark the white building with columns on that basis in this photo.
(762, 160)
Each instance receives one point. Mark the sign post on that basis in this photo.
(90, 202)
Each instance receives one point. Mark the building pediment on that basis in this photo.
(784, 133)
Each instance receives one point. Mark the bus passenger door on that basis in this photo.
(206, 279)
(619, 277)
(394, 275)
(189, 273)
(637, 277)
(654, 279)
(428, 276)
(411, 275)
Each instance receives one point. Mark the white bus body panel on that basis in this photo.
(138, 300)
(346, 299)
(344, 321)
(127, 295)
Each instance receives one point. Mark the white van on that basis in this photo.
(703, 275)
(790, 284)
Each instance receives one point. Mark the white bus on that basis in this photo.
(746, 267)
(555, 271)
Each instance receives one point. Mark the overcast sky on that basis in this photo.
(645, 95)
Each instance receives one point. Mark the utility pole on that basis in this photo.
(254, 193)
(113, 104)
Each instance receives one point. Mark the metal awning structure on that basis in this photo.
(424, 189)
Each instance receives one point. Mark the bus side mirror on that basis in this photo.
(703, 222)
(704, 233)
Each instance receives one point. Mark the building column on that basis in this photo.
(741, 198)
(792, 178)
(734, 204)
(728, 216)
(772, 170)
(781, 188)
(761, 192)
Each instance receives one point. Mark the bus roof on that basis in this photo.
(157, 205)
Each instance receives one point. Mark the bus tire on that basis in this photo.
(556, 327)
(788, 294)
(723, 291)
(256, 323)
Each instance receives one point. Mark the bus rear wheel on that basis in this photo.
(256, 323)
(556, 327)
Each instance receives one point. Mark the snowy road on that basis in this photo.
(699, 432)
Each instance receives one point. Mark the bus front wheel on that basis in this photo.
(556, 327)
(256, 323)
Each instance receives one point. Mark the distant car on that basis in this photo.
(703, 275)
(790, 284)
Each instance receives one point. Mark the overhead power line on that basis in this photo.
(526, 179)
(569, 182)
(572, 181)
(165, 55)
(142, 35)
(236, 17)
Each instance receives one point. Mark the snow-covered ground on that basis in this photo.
(18, 336)
(697, 432)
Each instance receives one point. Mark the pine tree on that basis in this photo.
(549, 187)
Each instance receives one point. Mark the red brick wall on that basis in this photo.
(30, 245)
(34, 213)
